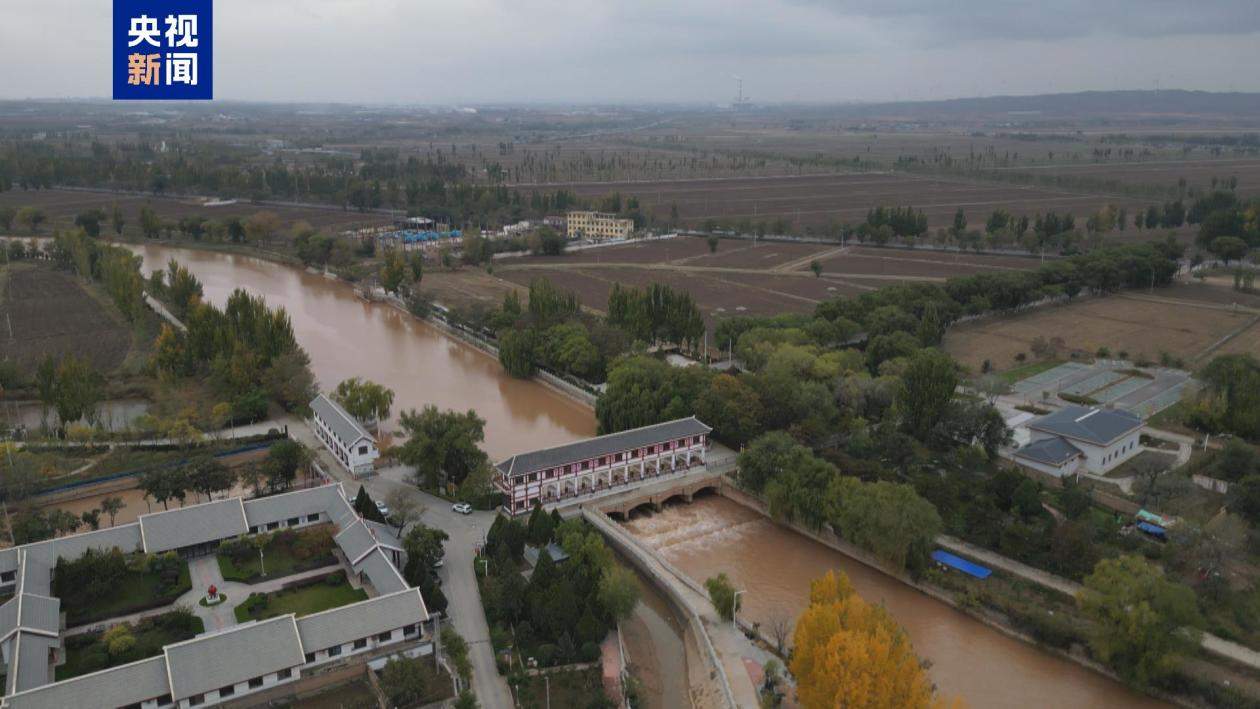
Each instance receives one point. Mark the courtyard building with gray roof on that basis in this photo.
(226, 664)
(1080, 439)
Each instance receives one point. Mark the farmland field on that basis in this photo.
(1164, 173)
(921, 264)
(741, 278)
(1140, 326)
(813, 201)
(61, 207)
(45, 312)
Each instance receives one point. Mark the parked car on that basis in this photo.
(382, 508)
(462, 507)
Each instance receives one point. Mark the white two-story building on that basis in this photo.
(585, 467)
(343, 435)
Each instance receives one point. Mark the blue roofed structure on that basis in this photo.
(958, 563)
(1153, 529)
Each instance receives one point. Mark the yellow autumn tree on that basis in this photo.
(849, 653)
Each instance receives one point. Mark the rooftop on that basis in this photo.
(602, 445)
(125, 685)
(192, 525)
(347, 427)
(1090, 424)
(300, 503)
(1051, 451)
(30, 621)
(355, 541)
(384, 576)
(239, 654)
(320, 631)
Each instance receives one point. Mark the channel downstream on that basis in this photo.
(347, 337)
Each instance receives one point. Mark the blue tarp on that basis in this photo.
(1153, 529)
(941, 556)
(412, 236)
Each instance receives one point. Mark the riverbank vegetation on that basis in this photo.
(104, 342)
(246, 351)
(852, 420)
(444, 449)
(847, 652)
(560, 612)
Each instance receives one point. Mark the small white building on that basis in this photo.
(343, 435)
(1081, 439)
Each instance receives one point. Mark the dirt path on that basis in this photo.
(1226, 339)
(1191, 303)
(804, 261)
(710, 269)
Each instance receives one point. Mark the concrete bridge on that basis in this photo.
(619, 502)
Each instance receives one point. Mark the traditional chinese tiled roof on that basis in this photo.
(602, 445)
(345, 426)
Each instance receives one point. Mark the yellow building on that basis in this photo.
(598, 226)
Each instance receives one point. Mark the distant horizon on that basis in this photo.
(426, 52)
(563, 103)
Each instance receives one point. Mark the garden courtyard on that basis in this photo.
(149, 602)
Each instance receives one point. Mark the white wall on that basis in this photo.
(1067, 469)
(242, 689)
(1099, 459)
(346, 453)
(348, 649)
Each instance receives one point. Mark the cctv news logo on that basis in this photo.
(163, 50)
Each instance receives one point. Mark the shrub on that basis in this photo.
(722, 595)
(546, 654)
(238, 551)
(118, 640)
(1049, 630)
(1077, 399)
(256, 603)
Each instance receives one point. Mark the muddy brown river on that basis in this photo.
(347, 337)
(775, 565)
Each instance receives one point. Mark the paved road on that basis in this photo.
(458, 580)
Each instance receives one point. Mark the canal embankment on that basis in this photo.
(710, 680)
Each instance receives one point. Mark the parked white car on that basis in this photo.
(462, 507)
(382, 508)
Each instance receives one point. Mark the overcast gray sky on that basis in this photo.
(476, 51)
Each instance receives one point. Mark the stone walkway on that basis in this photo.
(204, 571)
